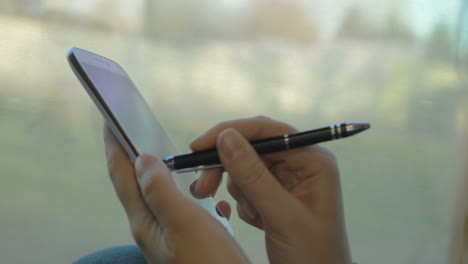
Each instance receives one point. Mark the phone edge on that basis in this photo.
(102, 106)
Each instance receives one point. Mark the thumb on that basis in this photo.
(160, 192)
(253, 178)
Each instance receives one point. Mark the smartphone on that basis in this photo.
(130, 117)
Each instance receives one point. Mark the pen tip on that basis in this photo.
(353, 128)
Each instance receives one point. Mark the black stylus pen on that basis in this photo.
(209, 158)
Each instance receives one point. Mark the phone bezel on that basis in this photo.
(74, 56)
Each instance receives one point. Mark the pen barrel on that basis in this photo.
(303, 139)
(262, 146)
(208, 157)
(271, 145)
(196, 159)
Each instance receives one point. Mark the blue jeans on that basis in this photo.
(128, 254)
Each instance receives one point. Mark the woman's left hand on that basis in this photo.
(167, 226)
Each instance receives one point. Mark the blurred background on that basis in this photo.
(398, 64)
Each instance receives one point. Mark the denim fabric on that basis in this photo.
(127, 254)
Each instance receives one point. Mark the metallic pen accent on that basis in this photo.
(286, 141)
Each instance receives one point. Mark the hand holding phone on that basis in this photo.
(167, 226)
(129, 116)
(167, 222)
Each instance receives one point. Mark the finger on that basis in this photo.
(251, 128)
(256, 222)
(160, 193)
(252, 177)
(224, 208)
(122, 175)
(208, 183)
(241, 200)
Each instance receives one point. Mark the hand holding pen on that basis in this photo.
(293, 196)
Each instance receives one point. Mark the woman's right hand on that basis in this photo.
(294, 196)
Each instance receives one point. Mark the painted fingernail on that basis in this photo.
(193, 190)
(192, 187)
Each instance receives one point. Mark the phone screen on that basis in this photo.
(130, 111)
(130, 117)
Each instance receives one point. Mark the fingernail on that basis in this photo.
(231, 144)
(193, 190)
(193, 187)
(139, 166)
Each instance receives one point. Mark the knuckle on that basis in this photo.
(331, 157)
(328, 157)
(324, 160)
(223, 125)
